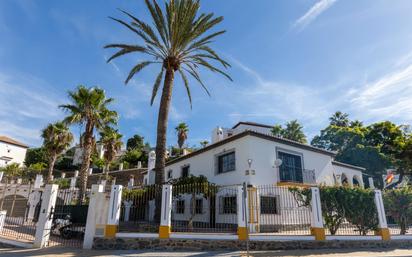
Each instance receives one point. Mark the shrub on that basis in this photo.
(398, 205)
(355, 205)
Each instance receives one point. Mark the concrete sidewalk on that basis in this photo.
(64, 252)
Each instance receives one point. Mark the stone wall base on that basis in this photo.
(236, 245)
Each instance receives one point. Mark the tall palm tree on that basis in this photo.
(56, 139)
(88, 107)
(112, 143)
(178, 44)
(181, 131)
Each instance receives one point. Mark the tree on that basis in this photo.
(277, 131)
(135, 142)
(88, 107)
(35, 155)
(178, 43)
(12, 171)
(56, 139)
(292, 131)
(112, 143)
(339, 119)
(181, 131)
(204, 143)
(398, 205)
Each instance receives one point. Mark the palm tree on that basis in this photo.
(181, 131)
(178, 44)
(89, 107)
(339, 119)
(294, 131)
(112, 143)
(204, 143)
(56, 139)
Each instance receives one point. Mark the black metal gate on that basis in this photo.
(69, 219)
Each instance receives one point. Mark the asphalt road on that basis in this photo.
(64, 252)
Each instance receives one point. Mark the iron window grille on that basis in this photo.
(226, 162)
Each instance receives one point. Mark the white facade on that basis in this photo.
(255, 154)
(11, 151)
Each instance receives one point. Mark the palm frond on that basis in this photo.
(136, 69)
(186, 83)
(156, 86)
(125, 50)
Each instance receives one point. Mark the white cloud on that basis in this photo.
(27, 104)
(316, 10)
(387, 97)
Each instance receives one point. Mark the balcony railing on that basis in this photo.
(295, 175)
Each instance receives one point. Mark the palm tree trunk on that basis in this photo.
(84, 170)
(52, 161)
(161, 135)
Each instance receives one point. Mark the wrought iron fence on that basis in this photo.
(204, 207)
(69, 218)
(138, 209)
(274, 210)
(19, 218)
(396, 229)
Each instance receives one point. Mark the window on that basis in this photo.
(226, 162)
(268, 205)
(199, 206)
(180, 206)
(185, 171)
(228, 205)
(169, 174)
(291, 168)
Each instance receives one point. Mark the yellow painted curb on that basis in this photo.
(319, 233)
(164, 232)
(242, 233)
(110, 231)
(384, 233)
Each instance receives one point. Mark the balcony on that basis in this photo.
(294, 175)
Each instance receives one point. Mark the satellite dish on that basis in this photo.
(278, 162)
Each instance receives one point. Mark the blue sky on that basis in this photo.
(301, 59)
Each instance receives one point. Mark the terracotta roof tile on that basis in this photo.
(11, 141)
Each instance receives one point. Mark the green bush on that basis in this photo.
(398, 205)
(355, 205)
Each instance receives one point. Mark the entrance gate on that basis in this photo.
(69, 219)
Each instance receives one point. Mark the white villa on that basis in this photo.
(248, 152)
(11, 151)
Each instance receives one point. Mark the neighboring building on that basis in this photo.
(249, 153)
(11, 151)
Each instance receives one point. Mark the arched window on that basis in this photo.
(344, 179)
(356, 181)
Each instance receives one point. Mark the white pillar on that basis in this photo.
(73, 182)
(241, 213)
(2, 219)
(90, 230)
(114, 211)
(127, 206)
(38, 182)
(371, 183)
(166, 212)
(121, 166)
(46, 216)
(34, 199)
(317, 228)
(130, 184)
(76, 173)
(63, 175)
(383, 230)
(1, 175)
